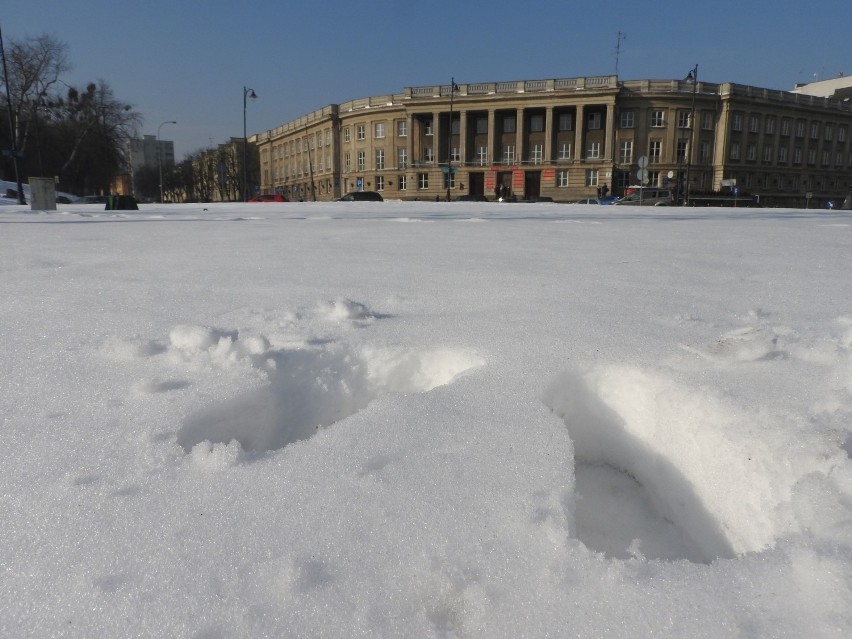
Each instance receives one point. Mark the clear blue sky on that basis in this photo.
(188, 60)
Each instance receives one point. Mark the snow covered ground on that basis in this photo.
(425, 420)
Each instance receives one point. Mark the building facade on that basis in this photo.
(565, 139)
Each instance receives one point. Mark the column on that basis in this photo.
(491, 155)
(548, 135)
(579, 124)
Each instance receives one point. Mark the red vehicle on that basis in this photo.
(269, 197)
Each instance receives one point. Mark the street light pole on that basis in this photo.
(453, 88)
(693, 77)
(160, 156)
(247, 93)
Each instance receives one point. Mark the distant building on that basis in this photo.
(839, 88)
(149, 152)
(565, 138)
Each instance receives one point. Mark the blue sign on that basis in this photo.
(359, 183)
(736, 191)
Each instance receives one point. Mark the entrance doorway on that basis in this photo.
(532, 184)
(476, 182)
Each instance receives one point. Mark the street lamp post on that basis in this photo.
(247, 93)
(160, 156)
(691, 77)
(453, 88)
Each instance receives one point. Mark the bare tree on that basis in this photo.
(35, 66)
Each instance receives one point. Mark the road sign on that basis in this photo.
(642, 162)
(642, 174)
(359, 183)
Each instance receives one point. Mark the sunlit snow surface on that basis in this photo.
(425, 420)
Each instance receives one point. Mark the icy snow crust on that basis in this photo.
(311, 420)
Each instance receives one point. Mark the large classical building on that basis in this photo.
(566, 138)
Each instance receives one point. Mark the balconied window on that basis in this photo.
(563, 152)
(482, 155)
(536, 153)
(508, 154)
(593, 150)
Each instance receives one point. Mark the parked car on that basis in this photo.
(269, 197)
(539, 198)
(362, 196)
(609, 199)
(647, 196)
(471, 198)
(587, 200)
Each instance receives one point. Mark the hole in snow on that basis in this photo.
(312, 389)
(648, 461)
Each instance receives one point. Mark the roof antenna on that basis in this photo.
(621, 36)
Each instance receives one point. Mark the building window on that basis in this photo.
(753, 124)
(455, 154)
(736, 122)
(800, 128)
(536, 153)
(681, 150)
(838, 160)
(782, 155)
(707, 120)
(704, 151)
(811, 157)
(566, 121)
(594, 121)
(423, 180)
(428, 156)
(537, 123)
(379, 130)
(402, 157)
(509, 124)
(346, 135)
(360, 132)
(769, 126)
(380, 182)
(751, 152)
(767, 153)
(683, 119)
(625, 151)
(841, 134)
(562, 178)
(657, 119)
(481, 126)
(653, 178)
(797, 156)
(592, 177)
(826, 158)
(427, 127)
(828, 133)
(347, 162)
(564, 151)
(403, 182)
(482, 155)
(508, 154)
(814, 130)
(380, 159)
(449, 180)
(785, 127)
(593, 150)
(402, 128)
(362, 160)
(627, 120)
(656, 151)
